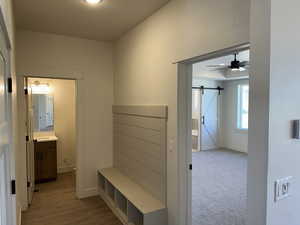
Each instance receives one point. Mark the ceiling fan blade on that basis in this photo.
(245, 63)
(216, 66)
(219, 69)
(241, 69)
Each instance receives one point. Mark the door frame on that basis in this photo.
(184, 109)
(198, 92)
(30, 176)
(79, 117)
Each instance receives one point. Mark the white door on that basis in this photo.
(209, 120)
(29, 143)
(7, 171)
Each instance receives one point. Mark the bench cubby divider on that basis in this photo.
(134, 215)
(121, 202)
(110, 191)
(101, 182)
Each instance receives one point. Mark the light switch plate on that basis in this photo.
(282, 188)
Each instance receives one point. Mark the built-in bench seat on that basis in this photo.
(128, 200)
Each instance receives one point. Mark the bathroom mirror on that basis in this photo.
(43, 112)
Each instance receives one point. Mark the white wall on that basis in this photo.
(91, 62)
(198, 82)
(64, 123)
(275, 79)
(7, 10)
(145, 73)
(232, 138)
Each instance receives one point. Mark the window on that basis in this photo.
(243, 106)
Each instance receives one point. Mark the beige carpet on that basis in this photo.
(219, 188)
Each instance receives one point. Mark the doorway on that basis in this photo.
(51, 136)
(214, 88)
(222, 160)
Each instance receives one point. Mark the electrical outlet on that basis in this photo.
(282, 188)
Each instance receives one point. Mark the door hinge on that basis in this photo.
(13, 187)
(28, 184)
(203, 120)
(9, 85)
(190, 166)
(202, 90)
(27, 138)
(26, 91)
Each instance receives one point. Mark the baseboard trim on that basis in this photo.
(88, 192)
(65, 169)
(235, 150)
(20, 216)
(24, 207)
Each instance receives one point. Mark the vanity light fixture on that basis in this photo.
(40, 89)
(93, 2)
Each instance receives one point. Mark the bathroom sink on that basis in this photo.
(46, 138)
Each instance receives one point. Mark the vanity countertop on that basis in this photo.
(46, 138)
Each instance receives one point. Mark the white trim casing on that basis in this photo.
(185, 76)
(88, 192)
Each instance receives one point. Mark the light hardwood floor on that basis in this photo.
(56, 204)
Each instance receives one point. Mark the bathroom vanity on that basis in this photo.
(45, 159)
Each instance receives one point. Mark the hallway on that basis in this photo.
(56, 204)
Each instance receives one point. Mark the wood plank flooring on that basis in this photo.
(56, 204)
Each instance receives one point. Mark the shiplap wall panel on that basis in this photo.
(148, 135)
(140, 146)
(151, 159)
(156, 111)
(145, 122)
(149, 149)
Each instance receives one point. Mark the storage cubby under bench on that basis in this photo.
(128, 200)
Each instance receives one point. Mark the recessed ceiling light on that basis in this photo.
(93, 2)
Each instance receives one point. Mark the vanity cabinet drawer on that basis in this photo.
(45, 145)
(45, 161)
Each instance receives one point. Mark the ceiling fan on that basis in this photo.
(234, 65)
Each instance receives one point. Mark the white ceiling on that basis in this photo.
(202, 70)
(105, 22)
